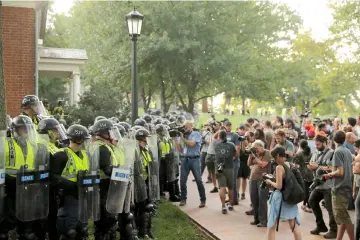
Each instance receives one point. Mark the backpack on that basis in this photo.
(294, 189)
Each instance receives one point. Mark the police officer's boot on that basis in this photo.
(70, 235)
(177, 188)
(30, 236)
(13, 235)
(142, 225)
(83, 233)
(149, 226)
(173, 196)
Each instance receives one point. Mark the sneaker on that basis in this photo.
(254, 223)
(230, 207)
(202, 204)
(317, 231)
(215, 190)
(224, 210)
(243, 196)
(261, 225)
(330, 235)
(250, 212)
(182, 203)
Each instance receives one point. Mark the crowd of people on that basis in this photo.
(56, 179)
(324, 162)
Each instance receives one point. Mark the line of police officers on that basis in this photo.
(54, 181)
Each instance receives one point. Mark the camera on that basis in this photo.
(266, 176)
(250, 151)
(319, 179)
(243, 138)
(305, 114)
(220, 167)
(176, 130)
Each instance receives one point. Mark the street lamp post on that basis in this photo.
(134, 21)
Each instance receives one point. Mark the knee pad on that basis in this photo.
(71, 234)
(30, 236)
(149, 207)
(129, 217)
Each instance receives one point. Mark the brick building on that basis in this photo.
(22, 24)
(25, 59)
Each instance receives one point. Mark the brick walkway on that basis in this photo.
(236, 225)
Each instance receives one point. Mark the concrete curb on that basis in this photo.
(203, 229)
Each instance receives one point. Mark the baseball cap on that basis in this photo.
(227, 123)
(242, 127)
(311, 133)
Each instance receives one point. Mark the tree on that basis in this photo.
(3, 110)
(52, 89)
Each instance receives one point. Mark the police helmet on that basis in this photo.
(140, 122)
(160, 129)
(29, 100)
(98, 118)
(165, 122)
(125, 125)
(147, 118)
(51, 124)
(158, 121)
(115, 119)
(158, 112)
(77, 133)
(141, 134)
(121, 130)
(102, 126)
(23, 126)
(172, 119)
(91, 131)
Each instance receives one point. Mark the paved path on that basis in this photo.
(236, 225)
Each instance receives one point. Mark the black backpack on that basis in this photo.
(293, 190)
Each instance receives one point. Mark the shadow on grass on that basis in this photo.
(172, 223)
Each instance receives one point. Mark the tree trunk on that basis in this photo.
(143, 97)
(3, 110)
(163, 97)
(243, 106)
(205, 107)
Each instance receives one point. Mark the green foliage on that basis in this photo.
(100, 100)
(189, 51)
(53, 89)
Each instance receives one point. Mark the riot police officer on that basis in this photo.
(142, 184)
(106, 136)
(55, 131)
(24, 157)
(32, 108)
(167, 163)
(67, 167)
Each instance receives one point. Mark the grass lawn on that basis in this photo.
(170, 223)
(236, 120)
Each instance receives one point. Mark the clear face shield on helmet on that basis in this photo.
(39, 109)
(26, 132)
(115, 135)
(59, 133)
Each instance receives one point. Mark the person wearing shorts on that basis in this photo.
(225, 154)
(341, 186)
(210, 164)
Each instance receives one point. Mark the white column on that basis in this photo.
(71, 87)
(76, 87)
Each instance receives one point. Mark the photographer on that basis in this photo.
(244, 170)
(259, 160)
(320, 163)
(225, 153)
(281, 140)
(190, 161)
(341, 186)
(206, 137)
(278, 207)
